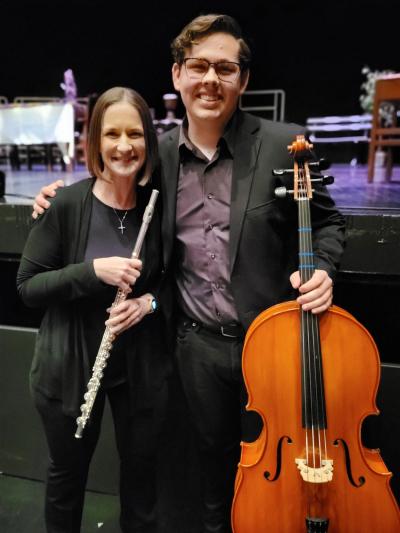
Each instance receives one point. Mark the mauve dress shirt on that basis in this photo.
(202, 231)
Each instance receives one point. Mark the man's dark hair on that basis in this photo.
(205, 25)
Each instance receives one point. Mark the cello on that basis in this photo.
(313, 380)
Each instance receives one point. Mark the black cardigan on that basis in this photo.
(52, 274)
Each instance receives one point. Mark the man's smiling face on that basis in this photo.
(210, 99)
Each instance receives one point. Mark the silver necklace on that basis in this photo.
(121, 226)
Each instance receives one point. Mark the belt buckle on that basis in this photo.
(227, 334)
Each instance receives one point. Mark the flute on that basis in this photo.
(106, 343)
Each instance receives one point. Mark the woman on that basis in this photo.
(77, 254)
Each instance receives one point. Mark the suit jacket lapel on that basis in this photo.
(246, 151)
(169, 154)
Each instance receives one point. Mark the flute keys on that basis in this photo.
(88, 396)
(84, 409)
(94, 382)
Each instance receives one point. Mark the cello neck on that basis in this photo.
(302, 192)
(313, 396)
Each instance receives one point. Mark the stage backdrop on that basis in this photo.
(313, 50)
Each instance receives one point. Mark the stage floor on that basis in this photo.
(21, 186)
(351, 191)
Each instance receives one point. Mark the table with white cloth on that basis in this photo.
(34, 124)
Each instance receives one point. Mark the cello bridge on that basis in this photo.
(323, 474)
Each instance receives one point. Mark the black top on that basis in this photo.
(53, 273)
(106, 240)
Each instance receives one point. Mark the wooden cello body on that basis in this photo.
(313, 381)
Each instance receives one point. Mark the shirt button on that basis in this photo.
(210, 196)
(212, 256)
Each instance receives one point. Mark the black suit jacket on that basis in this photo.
(263, 229)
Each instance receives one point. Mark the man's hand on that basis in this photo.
(316, 294)
(118, 271)
(40, 200)
(128, 313)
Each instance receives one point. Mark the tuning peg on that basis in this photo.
(282, 192)
(325, 180)
(282, 171)
(321, 164)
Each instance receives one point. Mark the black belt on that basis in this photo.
(233, 331)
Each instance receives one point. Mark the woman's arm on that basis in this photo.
(44, 277)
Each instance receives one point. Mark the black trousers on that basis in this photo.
(209, 366)
(69, 461)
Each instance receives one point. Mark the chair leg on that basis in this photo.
(389, 163)
(48, 157)
(28, 157)
(14, 158)
(371, 162)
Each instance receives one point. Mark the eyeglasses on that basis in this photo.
(197, 68)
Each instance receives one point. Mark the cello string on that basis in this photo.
(309, 322)
(316, 354)
(304, 272)
(312, 324)
(314, 408)
(305, 330)
(320, 391)
(320, 381)
(317, 358)
(302, 317)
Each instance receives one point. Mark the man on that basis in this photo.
(230, 246)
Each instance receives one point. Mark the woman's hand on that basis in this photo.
(128, 313)
(121, 272)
